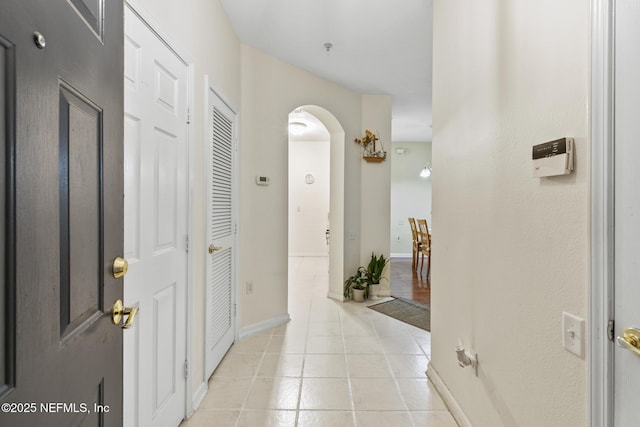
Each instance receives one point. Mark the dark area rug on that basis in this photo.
(407, 311)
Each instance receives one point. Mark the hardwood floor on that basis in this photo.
(406, 283)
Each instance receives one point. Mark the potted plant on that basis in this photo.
(366, 281)
(374, 273)
(356, 285)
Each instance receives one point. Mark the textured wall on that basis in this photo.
(510, 251)
(271, 89)
(375, 181)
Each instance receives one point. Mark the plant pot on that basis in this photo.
(358, 295)
(374, 290)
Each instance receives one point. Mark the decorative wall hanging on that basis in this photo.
(370, 151)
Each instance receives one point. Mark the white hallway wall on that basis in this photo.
(271, 89)
(308, 203)
(375, 179)
(512, 250)
(410, 193)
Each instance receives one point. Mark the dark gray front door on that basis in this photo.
(61, 211)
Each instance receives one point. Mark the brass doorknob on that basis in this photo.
(120, 267)
(212, 248)
(119, 310)
(630, 340)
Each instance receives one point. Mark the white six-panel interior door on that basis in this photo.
(221, 229)
(156, 227)
(627, 208)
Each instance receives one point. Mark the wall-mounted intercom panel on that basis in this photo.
(553, 158)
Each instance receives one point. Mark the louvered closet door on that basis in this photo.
(220, 230)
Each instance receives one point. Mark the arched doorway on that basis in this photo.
(323, 128)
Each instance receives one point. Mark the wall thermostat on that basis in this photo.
(262, 180)
(553, 158)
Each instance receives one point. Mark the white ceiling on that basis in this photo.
(379, 47)
(314, 129)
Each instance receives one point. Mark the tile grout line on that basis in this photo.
(346, 362)
(313, 302)
(304, 360)
(393, 375)
(253, 381)
(304, 357)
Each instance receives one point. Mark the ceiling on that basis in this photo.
(379, 47)
(313, 129)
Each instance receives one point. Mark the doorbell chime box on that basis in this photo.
(553, 158)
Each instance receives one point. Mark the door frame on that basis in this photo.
(146, 18)
(601, 360)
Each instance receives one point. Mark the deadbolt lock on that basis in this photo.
(120, 267)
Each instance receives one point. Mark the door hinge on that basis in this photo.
(610, 329)
(186, 244)
(186, 370)
(235, 228)
(188, 115)
(235, 310)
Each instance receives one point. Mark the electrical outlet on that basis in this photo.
(573, 334)
(249, 287)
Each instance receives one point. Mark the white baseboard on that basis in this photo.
(403, 255)
(335, 296)
(261, 326)
(448, 398)
(310, 254)
(199, 396)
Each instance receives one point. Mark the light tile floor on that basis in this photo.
(334, 364)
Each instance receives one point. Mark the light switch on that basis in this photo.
(573, 334)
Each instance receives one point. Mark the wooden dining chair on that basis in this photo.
(425, 245)
(416, 243)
